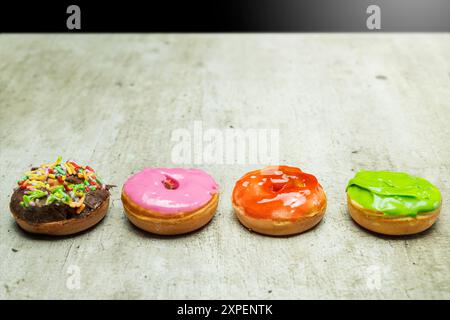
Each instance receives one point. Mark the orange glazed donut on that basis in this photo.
(279, 200)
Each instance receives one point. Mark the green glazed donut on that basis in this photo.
(393, 202)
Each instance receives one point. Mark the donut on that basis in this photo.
(59, 199)
(393, 203)
(279, 200)
(170, 201)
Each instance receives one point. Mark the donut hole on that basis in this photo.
(170, 183)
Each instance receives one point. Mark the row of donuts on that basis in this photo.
(62, 198)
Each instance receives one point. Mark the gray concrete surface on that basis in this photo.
(342, 102)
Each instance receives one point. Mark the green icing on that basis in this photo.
(393, 193)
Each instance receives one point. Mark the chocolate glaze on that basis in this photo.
(56, 212)
(74, 179)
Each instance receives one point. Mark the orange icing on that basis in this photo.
(279, 193)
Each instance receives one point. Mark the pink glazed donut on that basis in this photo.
(170, 201)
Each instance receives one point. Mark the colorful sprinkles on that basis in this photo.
(50, 183)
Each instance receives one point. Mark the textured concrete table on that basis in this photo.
(341, 102)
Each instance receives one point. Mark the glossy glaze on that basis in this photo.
(278, 192)
(393, 193)
(170, 190)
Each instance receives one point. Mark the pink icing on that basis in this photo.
(150, 189)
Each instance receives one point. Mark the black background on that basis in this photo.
(226, 15)
(281, 309)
